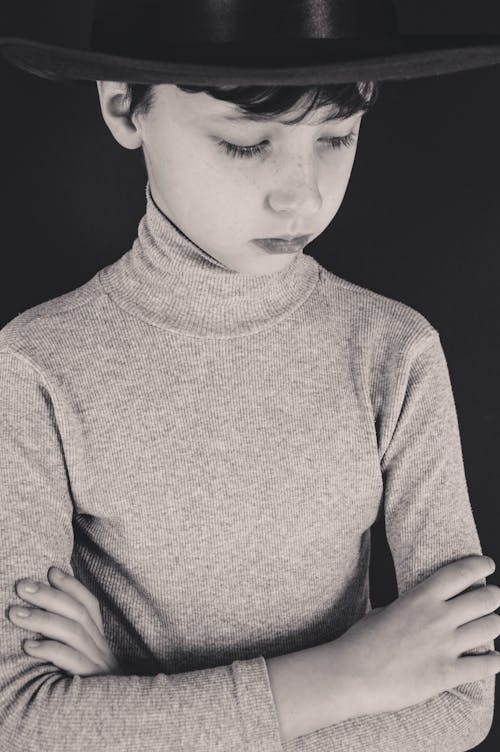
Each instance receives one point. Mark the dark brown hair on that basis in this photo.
(269, 102)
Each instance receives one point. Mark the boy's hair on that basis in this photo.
(269, 102)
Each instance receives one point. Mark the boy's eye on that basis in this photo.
(249, 151)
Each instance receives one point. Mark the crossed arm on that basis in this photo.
(390, 662)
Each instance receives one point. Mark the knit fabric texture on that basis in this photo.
(206, 451)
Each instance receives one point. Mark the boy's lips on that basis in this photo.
(276, 245)
(290, 238)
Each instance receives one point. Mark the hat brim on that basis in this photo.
(316, 61)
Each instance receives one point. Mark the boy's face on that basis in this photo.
(295, 186)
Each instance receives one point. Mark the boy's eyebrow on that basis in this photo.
(255, 117)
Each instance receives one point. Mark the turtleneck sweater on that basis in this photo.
(206, 451)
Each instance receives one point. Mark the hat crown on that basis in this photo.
(140, 27)
(241, 42)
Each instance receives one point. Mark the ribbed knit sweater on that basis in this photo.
(206, 450)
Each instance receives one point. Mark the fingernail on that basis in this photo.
(58, 573)
(31, 644)
(20, 612)
(29, 586)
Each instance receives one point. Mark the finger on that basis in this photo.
(69, 584)
(473, 604)
(62, 603)
(62, 656)
(454, 578)
(472, 668)
(59, 628)
(476, 633)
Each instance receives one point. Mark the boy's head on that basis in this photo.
(291, 183)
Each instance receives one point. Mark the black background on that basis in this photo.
(420, 221)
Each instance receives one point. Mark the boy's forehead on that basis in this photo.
(231, 113)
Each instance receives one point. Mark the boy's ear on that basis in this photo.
(115, 111)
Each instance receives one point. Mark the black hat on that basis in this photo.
(248, 42)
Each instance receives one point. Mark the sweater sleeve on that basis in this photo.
(429, 523)
(223, 708)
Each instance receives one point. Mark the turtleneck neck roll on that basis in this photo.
(165, 278)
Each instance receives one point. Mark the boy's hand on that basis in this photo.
(69, 614)
(413, 649)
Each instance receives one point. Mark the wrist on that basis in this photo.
(310, 691)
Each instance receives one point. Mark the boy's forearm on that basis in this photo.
(308, 693)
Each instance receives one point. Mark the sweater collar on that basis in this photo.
(168, 280)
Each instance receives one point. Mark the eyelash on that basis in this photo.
(250, 151)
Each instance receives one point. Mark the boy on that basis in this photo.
(205, 432)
